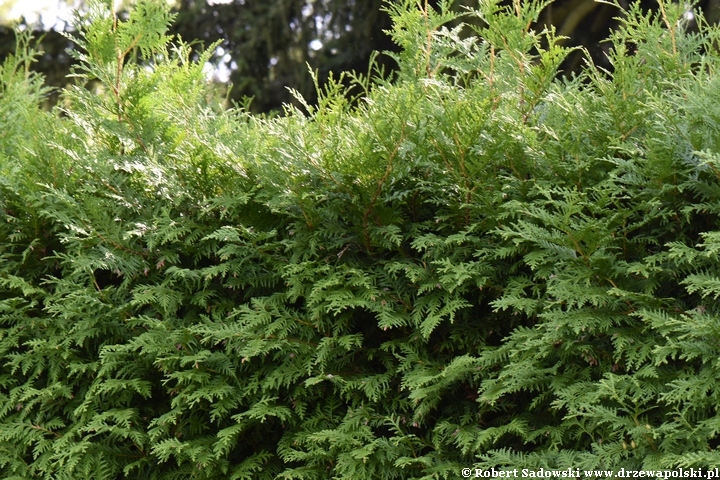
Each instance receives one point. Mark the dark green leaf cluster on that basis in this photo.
(473, 265)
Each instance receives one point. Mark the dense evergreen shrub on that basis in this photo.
(474, 264)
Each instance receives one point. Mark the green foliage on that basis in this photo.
(474, 265)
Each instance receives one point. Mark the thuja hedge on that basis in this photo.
(475, 263)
